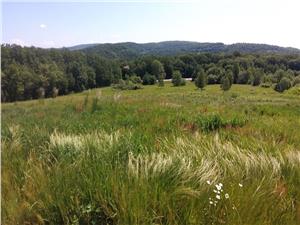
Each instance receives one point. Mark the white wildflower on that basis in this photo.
(240, 185)
(218, 187)
(220, 184)
(208, 182)
(211, 202)
(218, 197)
(226, 195)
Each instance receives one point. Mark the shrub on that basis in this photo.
(201, 79)
(215, 122)
(209, 123)
(283, 85)
(296, 81)
(225, 83)
(135, 79)
(126, 85)
(177, 79)
(149, 79)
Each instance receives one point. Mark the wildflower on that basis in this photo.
(226, 195)
(218, 187)
(240, 185)
(215, 191)
(220, 184)
(208, 182)
(211, 202)
(218, 197)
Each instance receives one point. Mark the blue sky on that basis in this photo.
(59, 24)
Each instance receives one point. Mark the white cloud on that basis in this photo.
(17, 41)
(43, 26)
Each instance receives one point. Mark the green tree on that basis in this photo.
(12, 83)
(149, 79)
(243, 77)
(201, 79)
(225, 83)
(158, 71)
(257, 77)
(235, 72)
(80, 76)
(177, 79)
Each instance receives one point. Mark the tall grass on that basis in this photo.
(155, 156)
(102, 178)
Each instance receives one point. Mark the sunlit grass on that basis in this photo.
(147, 157)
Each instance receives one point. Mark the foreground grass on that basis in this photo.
(153, 156)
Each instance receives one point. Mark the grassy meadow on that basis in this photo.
(170, 155)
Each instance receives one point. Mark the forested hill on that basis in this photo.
(31, 73)
(131, 50)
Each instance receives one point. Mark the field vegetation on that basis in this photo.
(155, 155)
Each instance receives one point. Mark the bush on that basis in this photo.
(177, 79)
(209, 123)
(126, 85)
(225, 83)
(283, 85)
(215, 122)
(296, 81)
(149, 79)
(135, 79)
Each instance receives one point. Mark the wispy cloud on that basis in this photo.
(43, 26)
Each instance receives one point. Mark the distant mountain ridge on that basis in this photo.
(133, 50)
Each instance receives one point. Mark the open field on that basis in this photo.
(153, 156)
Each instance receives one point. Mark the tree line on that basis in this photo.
(31, 73)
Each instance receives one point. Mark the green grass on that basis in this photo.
(145, 156)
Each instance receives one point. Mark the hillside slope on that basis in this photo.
(133, 50)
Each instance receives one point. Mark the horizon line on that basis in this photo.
(150, 42)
